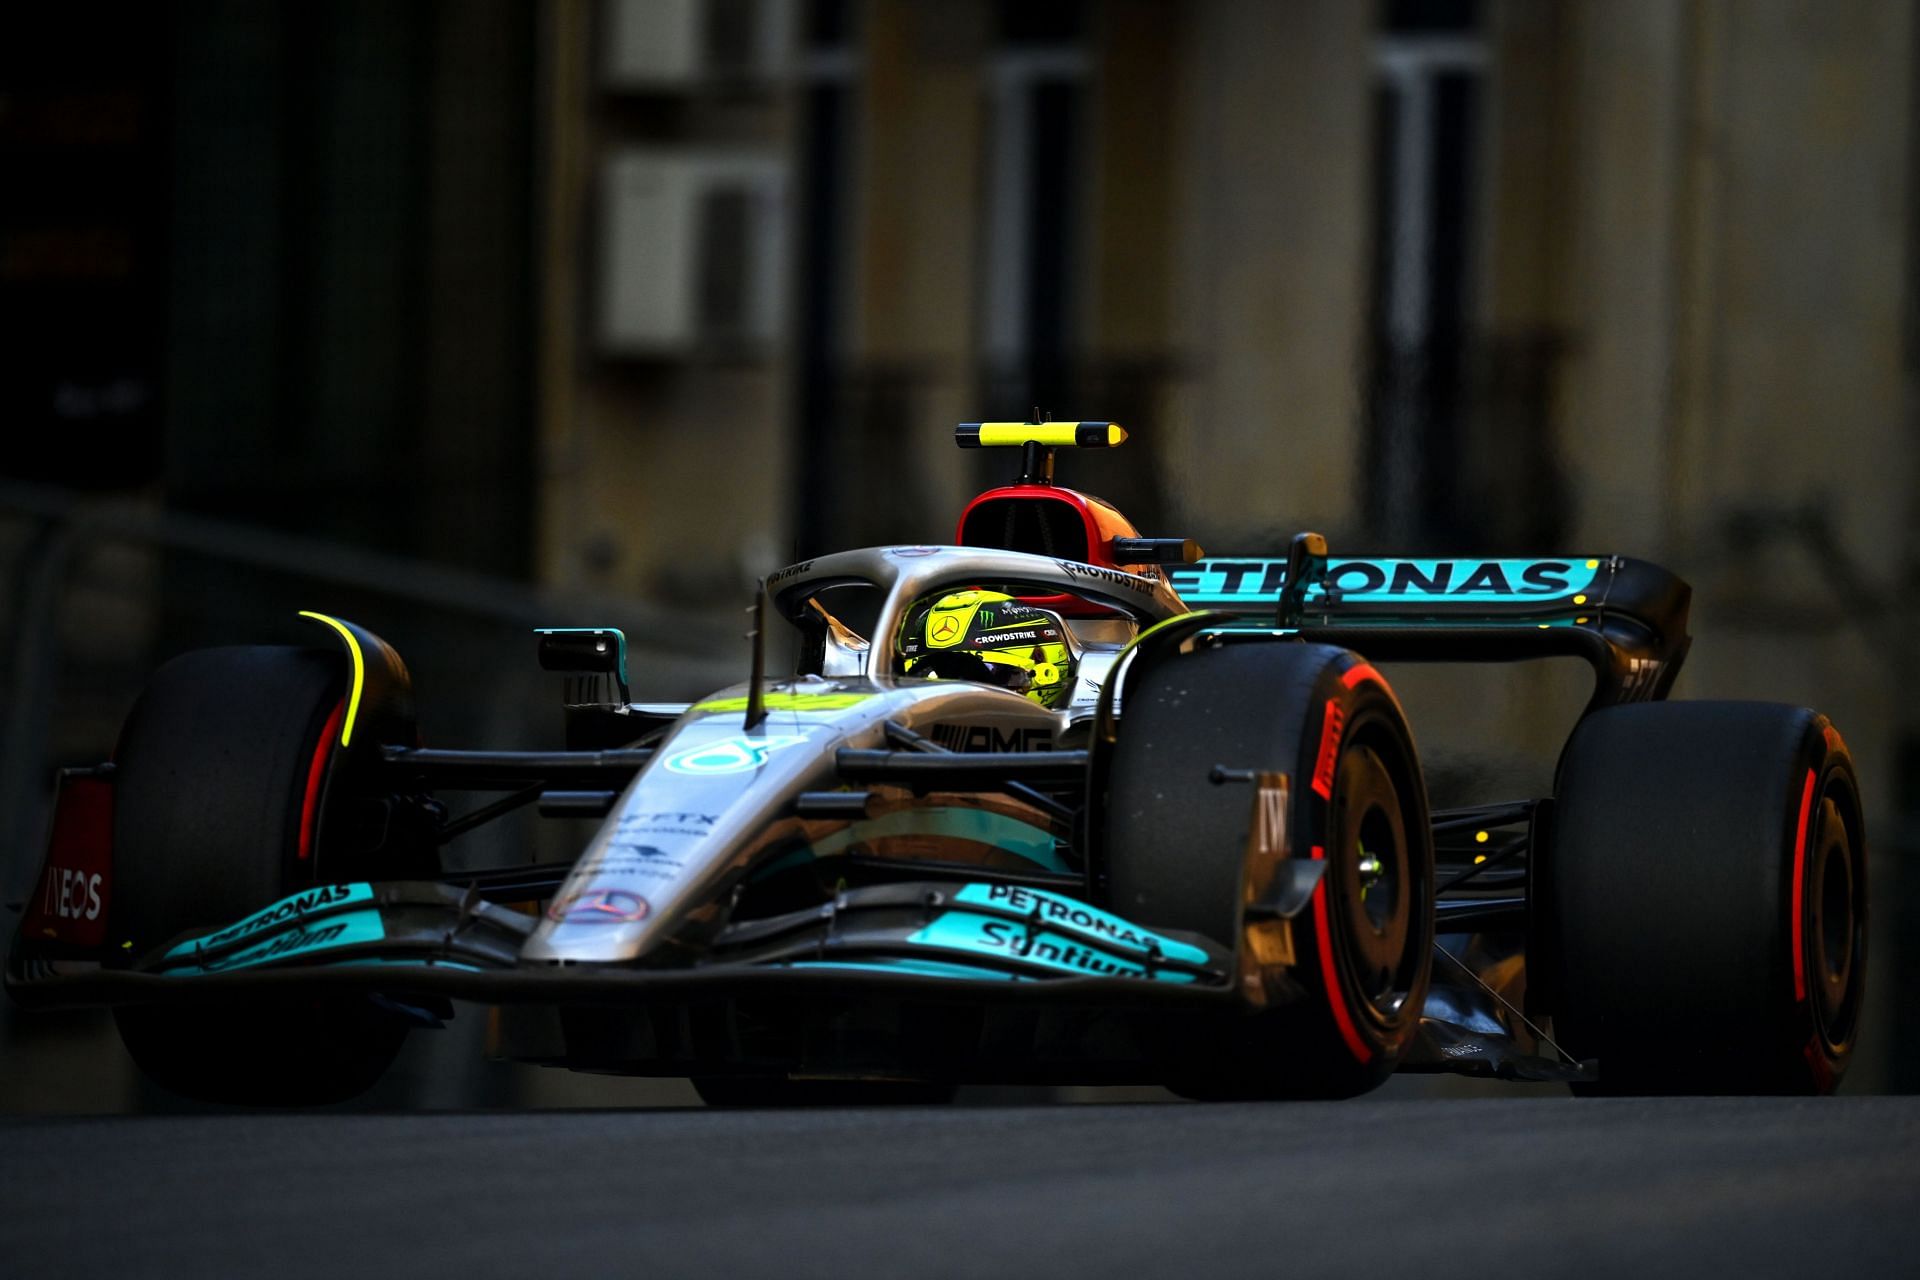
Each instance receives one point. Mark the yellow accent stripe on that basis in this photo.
(359, 671)
(788, 702)
(1164, 623)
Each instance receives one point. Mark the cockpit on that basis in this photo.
(1039, 627)
(1043, 590)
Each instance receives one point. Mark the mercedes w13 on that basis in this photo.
(1056, 803)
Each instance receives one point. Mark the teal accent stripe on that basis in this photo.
(406, 964)
(291, 907)
(920, 968)
(1450, 584)
(1008, 940)
(982, 826)
(1520, 622)
(1072, 916)
(328, 934)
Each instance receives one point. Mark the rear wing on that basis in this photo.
(1627, 617)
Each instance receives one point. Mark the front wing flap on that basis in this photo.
(988, 930)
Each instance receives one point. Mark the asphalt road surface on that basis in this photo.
(1484, 1188)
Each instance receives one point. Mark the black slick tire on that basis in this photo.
(216, 811)
(1175, 848)
(1706, 899)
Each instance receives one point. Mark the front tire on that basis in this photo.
(1707, 899)
(217, 808)
(1175, 850)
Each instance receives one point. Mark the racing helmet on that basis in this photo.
(989, 637)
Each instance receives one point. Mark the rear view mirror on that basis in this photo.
(1156, 551)
(602, 650)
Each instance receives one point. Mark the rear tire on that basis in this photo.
(1175, 854)
(214, 802)
(1706, 899)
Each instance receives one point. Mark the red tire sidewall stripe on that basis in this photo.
(1336, 999)
(1798, 929)
(1362, 671)
(316, 775)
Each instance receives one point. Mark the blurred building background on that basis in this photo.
(462, 316)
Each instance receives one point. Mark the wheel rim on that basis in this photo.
(1374, 874)
(1836, 923)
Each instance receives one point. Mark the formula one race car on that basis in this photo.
(1058, 803)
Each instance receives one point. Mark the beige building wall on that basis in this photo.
(1222, 229)
(1737, 266)
(917, 249)
(661, 477)
(1270, 205)
(1133, 136)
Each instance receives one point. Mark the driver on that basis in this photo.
(989, 637)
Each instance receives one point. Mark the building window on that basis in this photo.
(1429, 64)
(1036, 86)
(828, 80)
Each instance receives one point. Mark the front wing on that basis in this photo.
(417, 938)
(983, 944)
